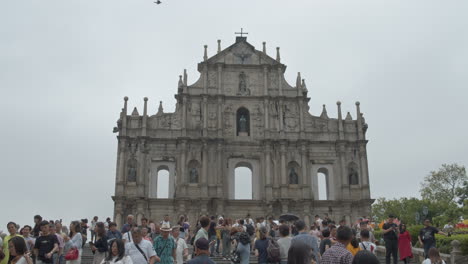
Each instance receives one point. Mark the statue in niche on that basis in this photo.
(293, 178)
(353, 176)
(243, 90)
(131, 171)
(193, 175)
(242, 124)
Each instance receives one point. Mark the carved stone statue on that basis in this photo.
(242, 124)
(243, 85)
(131, 172)
(293, 178)
(193, 175)
(353, 176)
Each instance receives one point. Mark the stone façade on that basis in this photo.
(202, 143)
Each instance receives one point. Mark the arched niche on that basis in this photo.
(292, 172)
(165, 170)
(194, 170)
(353, 174)
(242, 122)
(132, 166)
(326, 184)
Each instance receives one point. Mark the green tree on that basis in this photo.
(443, 185)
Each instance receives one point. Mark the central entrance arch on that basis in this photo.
(254, 167)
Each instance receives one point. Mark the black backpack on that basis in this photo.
(250, 229)
(273, 251)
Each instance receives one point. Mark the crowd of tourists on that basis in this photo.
(217, 237)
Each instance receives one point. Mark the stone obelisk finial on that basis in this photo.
(278, 58)
(264, 47)
(219, 45)
(205, 55)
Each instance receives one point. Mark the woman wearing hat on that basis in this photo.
(165, 245)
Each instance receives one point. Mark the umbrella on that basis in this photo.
(288, 217)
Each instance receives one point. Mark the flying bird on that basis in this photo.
(158, 2)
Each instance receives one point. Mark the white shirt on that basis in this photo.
(22, 260)
(428, 261)
(137, 258)
(369, 246)
(181, 246)
(124, 260)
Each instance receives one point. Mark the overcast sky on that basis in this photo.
(65, 67)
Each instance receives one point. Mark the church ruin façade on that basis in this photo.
(241, 112)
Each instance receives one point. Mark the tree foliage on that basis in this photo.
(445, 184)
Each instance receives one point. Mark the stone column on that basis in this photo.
(284, 183)
(267, 171)
(184, 116)
(205, 115)
(281, 121)
(301, 118)
(220, 117)
(305, 175)
(183, 172)
(204, 176)
(220, 76)
(364, 173)
(121, 161)
(118, 212)
(265, 80)
(280, 80)
(220, 172)
(344, 177)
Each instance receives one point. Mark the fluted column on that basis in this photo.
(204, 178)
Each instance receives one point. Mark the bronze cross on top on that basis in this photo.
(241, 33)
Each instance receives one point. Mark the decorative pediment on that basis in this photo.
(242, 52)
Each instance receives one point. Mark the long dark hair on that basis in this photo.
(76, 228)
(120, 248)
(19, 244)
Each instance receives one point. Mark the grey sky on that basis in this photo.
(66, 65)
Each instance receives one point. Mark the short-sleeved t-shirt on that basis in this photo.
(391, 235)
(261, 245)
(202, 259)
(44, 245)
(164, 248)
(427, 234)
(181, 246)
(136, 256)
(325, 242)
(211, 229)
(284, 244)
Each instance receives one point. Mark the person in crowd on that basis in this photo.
(84, 230)
(433, 257)
(202, 252)
(390, 235)
(299, 253)
(342, 222)
(127, 226)
(156, 232)
(26, 233)
(243, 247)
(304, 237)
(353, 245)
(318, 222)
(140, 250)
(365, 257)
(74, 240)
(333, 230)
(338, 252)
(37, 229)
(427, 236)
(100, 247)
(284, 243)
(404, 244)
(19, 251)
(127, 237)
(46, 244)
(314, 231)
(203, 232)
(166, 221)
(144, 222)
(180, 223)
(326, 242)
(165, 246)
(226, 237)
(58, 257)
(212, 235)
(92, 229)
(146, 234)
(12, 229)
(366, 244)
(113, 233)
(261, 246)
(117, 253)
(181, 245)
(107, 222)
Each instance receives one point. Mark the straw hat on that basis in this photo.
(166, 227)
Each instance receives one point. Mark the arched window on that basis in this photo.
(243, 122)
(162, 183)
(243, 182)
(323, 192)
(353, 174)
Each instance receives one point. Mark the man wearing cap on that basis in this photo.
(139, 250)
(165, 245)
(390, 231)
(202, 252)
